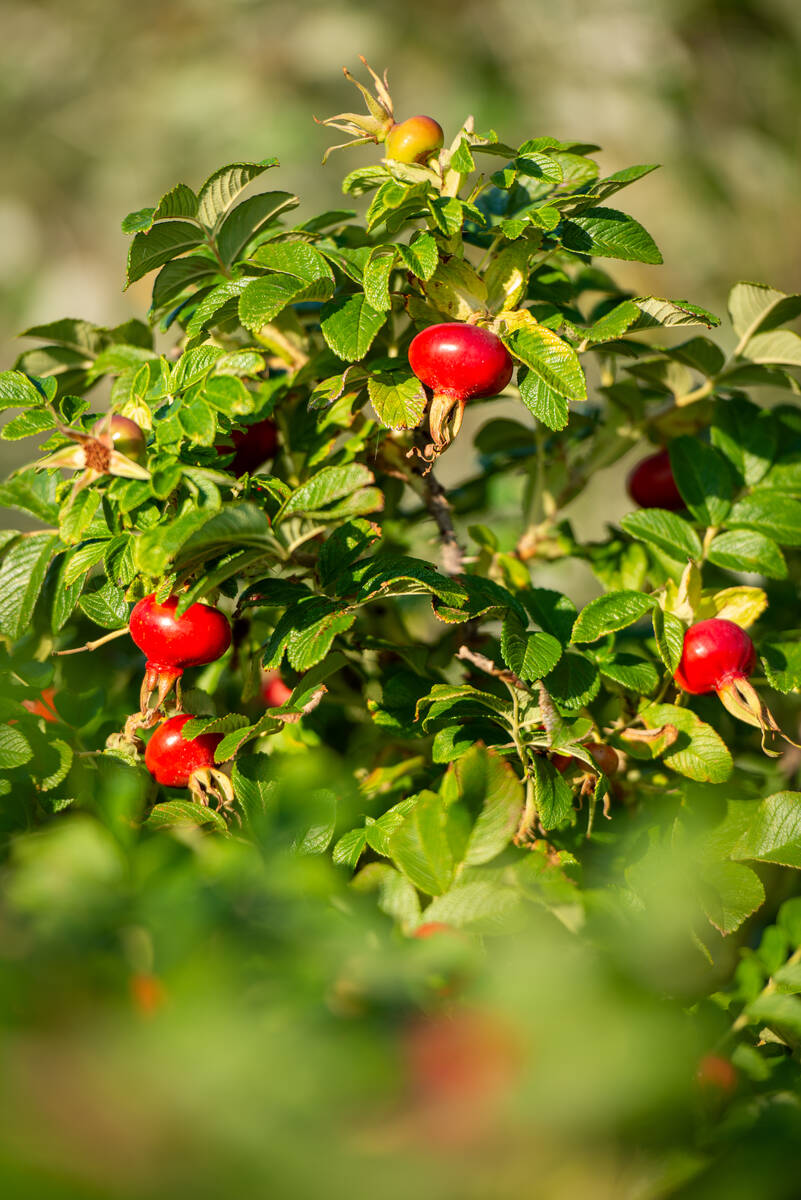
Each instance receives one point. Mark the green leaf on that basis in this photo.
(574, 681)
(379, 267)
(398, 398)
(655, 310)
(607, 614)
(542, 401)
(420, 847)
(776, 516)
(782, 663)
(755, 307)
(211, 304)
(529, 655)
(730, 892)
(263, 299)
(177, 814)
(249, 218)
(669, 635)
(703, 478)
(637, 674)
(22, 574)
(746, 435)
(550, 359)
(743, 550)
(107, 606)
(699, 753)
(328, 485)
(76, 519)
(177, 276)
(421, 256)
(163, 242)
(613, 324)
(17, 391)
(349, 325)
(484, 781)
(665, 530)
(552, 795)
(482, 906)
(608, 233)
(15, 749)
(308, 646)
(26, 424)
(198, 535)
(774, 832)
(222, 188)
(780, 346)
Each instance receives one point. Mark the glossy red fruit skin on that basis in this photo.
(463, 361)
(201, 635)
(414, 140)
(123, 435)
(252, 446)
(715, 652)
(274, 692)
(172, 760)
(651, 484)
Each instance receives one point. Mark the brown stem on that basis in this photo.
(98, 642)
(433, 494)
(488, 667)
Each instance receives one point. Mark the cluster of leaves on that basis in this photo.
(444, 681)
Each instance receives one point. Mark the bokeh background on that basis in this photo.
(105, 104)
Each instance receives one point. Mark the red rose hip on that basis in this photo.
(274, 692)
(171, 643)
(651, 483)
(173, 760)
(715, 653)
(414, 140)
(458, 363)
(252, 446)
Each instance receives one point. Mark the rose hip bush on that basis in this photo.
(290, 725)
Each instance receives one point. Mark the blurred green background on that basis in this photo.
(105, 104)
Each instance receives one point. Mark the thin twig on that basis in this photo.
(98, 642)
(433, 494)
(488, 667)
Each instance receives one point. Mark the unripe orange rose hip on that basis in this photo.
(414, 140)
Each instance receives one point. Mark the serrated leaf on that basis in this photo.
(529, 655)
(484, 781)
(548, 357)
(655, 310)
(17, 391)
(669, 635)
(699, 753)
(703, 479)
(163, 242)
(553, 797)
(26, 424)
(665, 530)
(744, 550)
(609, 233)
(607, 614)
(755, 306)
(398, 398)
(782, 663)
(175, 814)
(420, 847)
(22, 574)
(421, 256)
(107, 606)
(222, 188)
(574, 681)
(746, 435)
(212, 303)
(481, 906)
(328, 485)
(730, 892)
(349, 325)
(637, 674)
(15, 749)
(774, 833)
(376, 278)
(776, 516)
(250, 217)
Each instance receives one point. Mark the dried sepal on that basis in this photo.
(370, 127)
